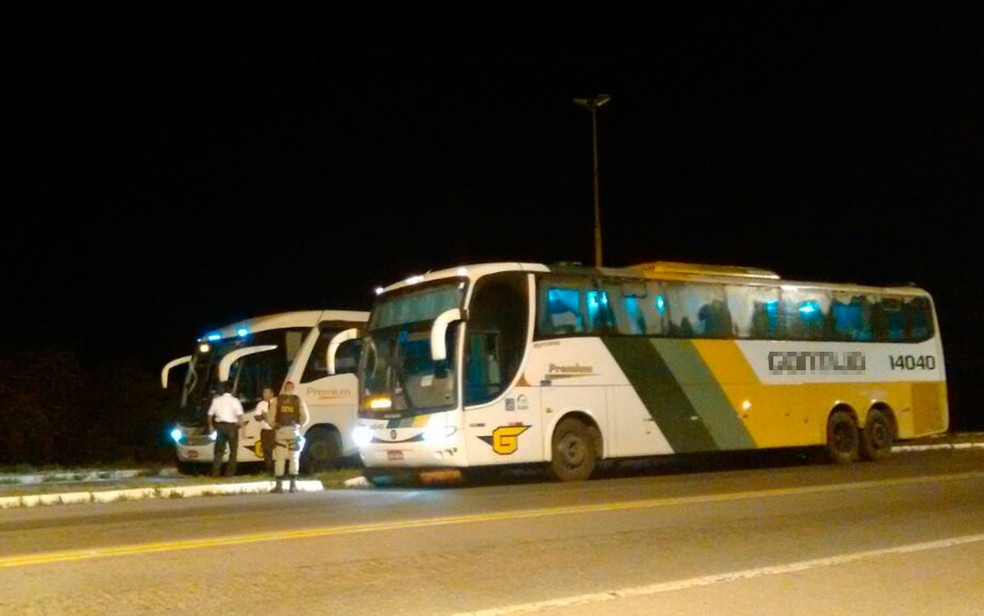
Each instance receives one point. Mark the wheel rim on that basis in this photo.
(844, 438)
(572, 450)
(320, 451)
(881, 437)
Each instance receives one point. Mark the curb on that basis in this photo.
(903, 448)
(107, 496)
(254, 487)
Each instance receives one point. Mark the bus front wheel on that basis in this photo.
(322, 449)
(843, 438)
(573, 450)
(877, 436)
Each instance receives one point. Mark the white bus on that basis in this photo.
(487, 365)
(264, 352)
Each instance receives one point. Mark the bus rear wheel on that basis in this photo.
(574, 457)
(877, 436)
(843, 439)
(322, 449)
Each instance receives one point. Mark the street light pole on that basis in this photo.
(592, 104)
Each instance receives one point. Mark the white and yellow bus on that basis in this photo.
(264, 352)
(519, 363)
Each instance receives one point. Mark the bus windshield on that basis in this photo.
(398, 376)
(247, 376)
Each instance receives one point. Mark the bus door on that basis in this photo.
(501, 410)
(500, 417)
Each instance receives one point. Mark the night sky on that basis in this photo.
(172, 169)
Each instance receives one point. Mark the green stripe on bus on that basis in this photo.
(705, 394)
(664, 398)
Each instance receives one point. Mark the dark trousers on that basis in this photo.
(225, 433)
(268, 442)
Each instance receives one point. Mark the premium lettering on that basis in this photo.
(813, 362)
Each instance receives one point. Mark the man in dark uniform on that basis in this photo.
(290, 414)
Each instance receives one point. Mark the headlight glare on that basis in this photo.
(361, 436)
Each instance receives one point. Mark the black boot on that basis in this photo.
(293, 484)
(279, 488)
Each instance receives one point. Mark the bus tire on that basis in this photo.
(322, 449)
(573, 451)
(877, 436)
(843, 438)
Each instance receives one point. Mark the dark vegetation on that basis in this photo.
(56, 411)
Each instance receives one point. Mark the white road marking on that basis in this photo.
(719, 578)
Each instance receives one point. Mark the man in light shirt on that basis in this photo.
(265, 418)
(225, 417)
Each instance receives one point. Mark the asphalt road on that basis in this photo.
(750, 536)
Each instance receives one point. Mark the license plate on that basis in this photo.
(394, 455)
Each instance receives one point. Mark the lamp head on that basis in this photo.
(593, 103)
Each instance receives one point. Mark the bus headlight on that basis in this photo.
(433, 434)
(380, 403)
(177, 434)
(361, 436)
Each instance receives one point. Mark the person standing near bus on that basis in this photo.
(225, 417)
(264, 416)
(290, 414)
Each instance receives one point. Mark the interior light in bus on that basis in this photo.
(660, 304)
(808, 308)
(242, 331)
(381, 402)
(204, 347)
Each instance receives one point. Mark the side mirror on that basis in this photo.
(174, 363)
(336, 341)
(439, 347)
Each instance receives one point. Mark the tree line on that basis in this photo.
(56, 411)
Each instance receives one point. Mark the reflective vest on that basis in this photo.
(288, 410)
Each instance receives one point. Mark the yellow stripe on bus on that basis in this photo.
(796, 414)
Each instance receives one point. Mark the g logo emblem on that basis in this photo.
(505, 439)
(392, 435)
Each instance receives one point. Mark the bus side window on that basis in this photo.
(317, 365)
(917, 319)
(635, 322)
(627, 312)
(715, 320)
(600, 316)
(888, 322)
(564, 311)
(765, 319)
(852, 319)
(347, 357)
(566, 322)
